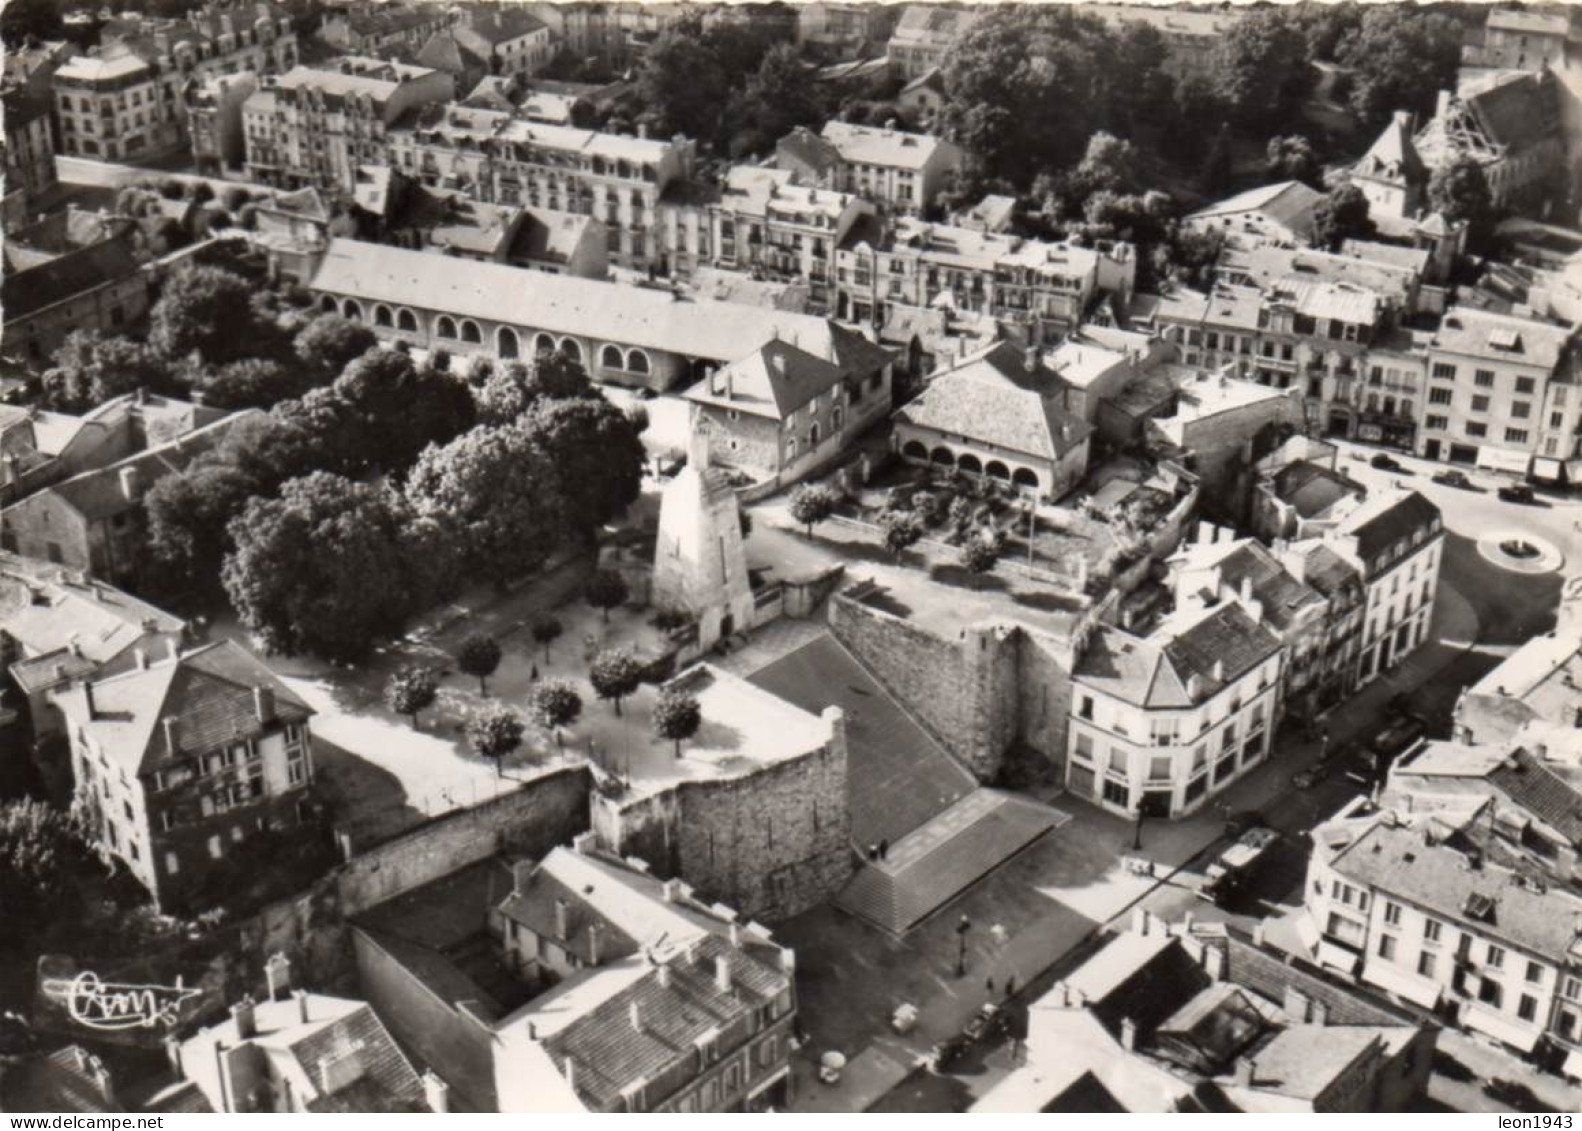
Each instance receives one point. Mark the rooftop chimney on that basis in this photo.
(1320, 1013)
(100, 1075)
(671, 890)
(1128, 1034)
(562, 919)
(1219, 671)
(264, 703)
(722, 974)
(277, 975)
(736, 935)
(664, 975)
(1244, 1071)
(593, 944)
(636, 1012)
(569, 1070)
(437, 1093)
(1246, 590)
(141, 656)
(87, 699)
(242, 1013)
(130, 487)
(302, 1005)
(169, 722)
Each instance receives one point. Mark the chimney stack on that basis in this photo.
(722, 974)
(141, 656)
(169, 722)
(264, 703)
(1219, 671)
(1319, 1014)
(87, 699)
(736, 936)
(671, 890)
(664, 975)
(246, 1020)
(131, 488)
(1246, 591)
(636, 1011)
(437, 1093)
(1244, 1071)
(277, 975)
(593, 944)
(562, 919)
(302, 1005)
(100, 1075)
(1128, 1034)
(569, 1071)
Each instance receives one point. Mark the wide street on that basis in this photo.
(1484, 612)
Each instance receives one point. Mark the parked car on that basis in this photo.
(1514, 1095)
(1517, 493)
(1240, 821)
(1321, 769)
(1453, 478)
(1385, 463)
(1395, 739)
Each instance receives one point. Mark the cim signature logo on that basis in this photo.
(109, 1006)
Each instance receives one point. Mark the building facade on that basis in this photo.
(29, 155)
(315, 125)
(1503, 392)
(1159, 724)
(129, 100)
(178, 763)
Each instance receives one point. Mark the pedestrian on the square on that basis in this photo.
(534, 675)
(1010, 985)
(884, 849)
(988, 984)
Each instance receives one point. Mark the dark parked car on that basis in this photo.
(1240, 821)
(1514, 1095)
(1453, 478)
(1397, 738)
(1517, 493)
(1385, 463)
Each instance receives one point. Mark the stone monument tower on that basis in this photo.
(700, 564)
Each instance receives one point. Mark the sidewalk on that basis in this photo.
(1077, 869)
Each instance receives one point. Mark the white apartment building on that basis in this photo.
(1443, 929)
(1503, 393)
(316, 125)
(1161, 723)
(1394, 540)
(125, 100)
(900, 171)
(502, 159)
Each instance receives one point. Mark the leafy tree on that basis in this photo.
(681, 83)
(252, 382)
(400, 409)
(44, 857)
(978, 556)
(411, 689)
(199, 192)
(1193, 254)
(494, 732)
(597, 455)
(1214, 175)
(321, 569)
(1461, 192)
(1341, 215)
(330, 343)
(233, 198)
(615, 674)
(1325, 26)
(1109, 165)
(494, 491)
(677, 717)
(512, 390)
(1144, 101)
(1400, 59)
(605, 590)
(1291, 158)
(553, 704)
(137, 201)
(638, 415)
(1260, 69)
(479, 656)
(902, 530)
(209, 311)
(90, 369)
(22, 20)
(780, 96)
(546, 629)
(188, 516)
(1008, 69)
(811, 505)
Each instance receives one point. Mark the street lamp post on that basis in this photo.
(962, 928)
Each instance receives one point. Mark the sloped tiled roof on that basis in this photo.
(993, 398)
(1386, 520)
(24, 292)
(774, 381)
(805, 146)
(209, 693)
(1312, 488)
(1517, 114)
(1393, 156)
(1266, 975)
(1395, 860)
(61, 1082)
(1288, 203)
(1533, 786)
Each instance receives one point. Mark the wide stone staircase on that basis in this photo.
(934, 863)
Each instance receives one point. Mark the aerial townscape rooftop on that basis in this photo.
(839, 557)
